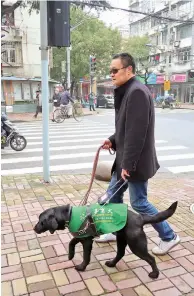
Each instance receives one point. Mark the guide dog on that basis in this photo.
(132, 234)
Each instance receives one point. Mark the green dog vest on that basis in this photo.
(107, 219)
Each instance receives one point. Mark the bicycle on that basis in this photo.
(61, 113)
(177, 104)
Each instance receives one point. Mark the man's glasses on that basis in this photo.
(115, 71)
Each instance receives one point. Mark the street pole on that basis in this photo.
(68, 67)
(192, 44)
(90, 57)
(168, 48)
(68, 51)
(44, 88)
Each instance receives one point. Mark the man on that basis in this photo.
(39, 103)
(134, 144)
(66, 101)
(56, 101)
(91, 101)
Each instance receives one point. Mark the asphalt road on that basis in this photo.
(73, 145)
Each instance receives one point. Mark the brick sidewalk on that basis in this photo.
(37, 265)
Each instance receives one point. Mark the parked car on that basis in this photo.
(106, 101)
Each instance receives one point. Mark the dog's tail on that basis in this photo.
(161, 216)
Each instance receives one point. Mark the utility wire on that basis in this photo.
(139, 12)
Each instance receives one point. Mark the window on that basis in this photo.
(185, 31)
(8, 19)
(184, 55)
(164, 37)
(11, 53)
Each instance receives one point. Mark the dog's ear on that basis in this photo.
(53, 224)
(66, 212)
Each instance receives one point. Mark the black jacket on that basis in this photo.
(134, 140)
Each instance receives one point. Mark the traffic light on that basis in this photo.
(58, 20)
(92, 64)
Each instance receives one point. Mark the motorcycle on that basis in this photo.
(11, 136)
(168, 102)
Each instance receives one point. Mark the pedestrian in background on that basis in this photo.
(38, 102)
(134, 143)
(91, 101)
(56, 101)
(66, 101)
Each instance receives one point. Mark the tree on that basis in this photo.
(34, 5)
(92, 37)
(136, 46)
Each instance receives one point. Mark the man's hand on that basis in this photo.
(124, 173)
(107, 144)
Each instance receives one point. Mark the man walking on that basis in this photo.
(134, 143)
(56, 102)
(38, 102)
(91, 101)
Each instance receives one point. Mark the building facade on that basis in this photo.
(21, 59)
(171, 43)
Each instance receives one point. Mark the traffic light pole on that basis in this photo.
(68, 50)
(44, 89)
(167, 76)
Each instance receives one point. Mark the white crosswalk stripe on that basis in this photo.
(173, 111)
(73, 147)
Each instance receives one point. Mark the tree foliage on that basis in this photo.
(136, 46)
(35, 5)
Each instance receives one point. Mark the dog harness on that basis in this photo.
(94, 220)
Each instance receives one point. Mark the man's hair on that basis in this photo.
(126, 59)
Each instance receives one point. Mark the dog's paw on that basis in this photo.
(80, 267)
(154, 274)
(110, 264)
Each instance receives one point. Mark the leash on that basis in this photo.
(85, 199)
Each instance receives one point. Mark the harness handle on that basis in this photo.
(85, 199)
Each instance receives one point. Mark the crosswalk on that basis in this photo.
(157, 111)
(173, 111)
(73, 147)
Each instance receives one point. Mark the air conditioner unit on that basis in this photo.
(183, 13)
(18, 33)
(162, 47)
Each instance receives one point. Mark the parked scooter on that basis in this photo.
(11, 136)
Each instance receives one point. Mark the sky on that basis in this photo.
(116, 17)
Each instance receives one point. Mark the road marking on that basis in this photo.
(87, 154)
(66, 141)
(77, 147)
(54, 168)
(61, 127)
(166, 148)
(71, 136)
(52, 157)
(181, 169)
(176, 157)
(81, 131)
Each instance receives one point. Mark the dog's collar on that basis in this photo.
(68, 217)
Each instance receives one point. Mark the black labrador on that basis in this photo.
(132, 235)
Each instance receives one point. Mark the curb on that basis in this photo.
(40, 119)
(185, 108)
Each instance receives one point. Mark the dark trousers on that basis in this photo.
(38, 109)
(92, 107)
